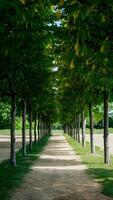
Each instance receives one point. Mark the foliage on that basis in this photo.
(19, 123)
(4, 115)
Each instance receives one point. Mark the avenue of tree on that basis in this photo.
(56, 60)
(26, 67)
(85, 64)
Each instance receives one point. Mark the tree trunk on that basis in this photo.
(83, 129)
(35, 125)
(106, 132)
(64, 128)
(46, 128)
(91, 130)
(41, 129)
(73, 129)
(74, 126)
(13, 123)
(49, 128)
(30, 128)
(68, 128)
(78, 131)
(38, 127)
(24, 127)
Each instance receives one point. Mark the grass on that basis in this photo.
(12, 177)
(19, 132)
(57, 132)
(7, 132)
(103, 173)
(99, 131)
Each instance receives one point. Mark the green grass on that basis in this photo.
(57, 132)
(12, 177)
(101, 172)
(7, 132)
(19, 132)
(98, 131)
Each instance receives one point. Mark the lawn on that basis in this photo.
(98, 131)
(7, 132)
(19, 132)
(101, 172)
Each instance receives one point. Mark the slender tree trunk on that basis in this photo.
(30, 128)
(46, 128)
(74, 126)
(24, 127)
(64, 128)
(35, 125)
(83, 129)
(42, 127)
(106, 132)
(71, 126)
(13, 123)
(73, 129)
(78, 128)
(38, 128)
(49, 128)
(68, 129)
(91, 130)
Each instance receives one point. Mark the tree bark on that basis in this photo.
(91, 130)
(68, 129)
(38, 127)
(74, 126)
(30, 128)
(12, 129)
(24, 127)
(83, 129)
(64, 128)
(78, 128)
(35, 125)
(41, 129)
(106, 132)
(49, 128)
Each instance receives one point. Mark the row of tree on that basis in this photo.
(84, 56)
(26, 67)
(37, 38)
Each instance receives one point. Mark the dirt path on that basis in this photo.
(58, 175)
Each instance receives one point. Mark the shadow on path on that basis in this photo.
(58, 175)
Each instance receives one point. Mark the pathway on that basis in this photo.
(58, 175)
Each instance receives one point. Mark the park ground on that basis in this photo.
(58, 174)
(5, 141)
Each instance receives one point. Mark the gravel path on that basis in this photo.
(58, 175)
